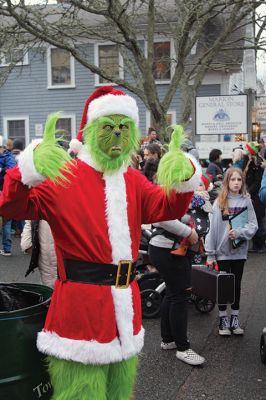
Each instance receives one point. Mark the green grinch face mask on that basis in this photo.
(113, 135)
(111, 140)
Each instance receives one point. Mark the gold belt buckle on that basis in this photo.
(118, 274)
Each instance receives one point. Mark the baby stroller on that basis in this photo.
(151, 299)
(152, 286)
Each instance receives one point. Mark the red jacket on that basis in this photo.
(96, 218)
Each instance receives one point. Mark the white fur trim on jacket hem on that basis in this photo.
(29, 174)
(87, 352)
(116, 215)
(191, 184)
(113, 104)
(124, 315)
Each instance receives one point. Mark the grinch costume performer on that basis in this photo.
(95, 206)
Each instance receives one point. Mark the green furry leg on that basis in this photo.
(76, 381)
(121, 379)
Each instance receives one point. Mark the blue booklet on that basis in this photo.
(238, 220)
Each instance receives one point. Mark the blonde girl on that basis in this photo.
(228, 245)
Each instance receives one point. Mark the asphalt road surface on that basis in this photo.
(233, 370)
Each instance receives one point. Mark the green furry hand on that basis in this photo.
(50, 159)
(174, 167)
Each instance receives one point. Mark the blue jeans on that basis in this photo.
(6, 235)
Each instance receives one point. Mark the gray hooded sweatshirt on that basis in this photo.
(218, 245)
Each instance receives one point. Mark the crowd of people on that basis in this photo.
(228, 193)
(221, 195)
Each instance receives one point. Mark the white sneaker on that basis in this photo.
(5, 253)
(190, 357)
(168, 346)
(235, 326)
(224, 326)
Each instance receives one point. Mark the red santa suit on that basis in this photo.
(96, 217)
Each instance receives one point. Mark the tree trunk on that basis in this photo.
(159, 123)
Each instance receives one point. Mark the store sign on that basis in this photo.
(261, 108)
(225, 147)
(221, 115)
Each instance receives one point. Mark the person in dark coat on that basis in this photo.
(215, 169)
(6, 161)
(254, 173)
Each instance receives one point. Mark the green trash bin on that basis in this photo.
(23, 375)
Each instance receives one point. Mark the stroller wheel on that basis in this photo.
(263, 348)
(204, 305)
(151, 303)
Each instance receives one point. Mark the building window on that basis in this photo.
(108, 58)
(16, 57)
(170, 119)
(67, 127)
(17, 128)
(61, 72)
(162, 61)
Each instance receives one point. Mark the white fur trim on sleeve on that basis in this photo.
(29, 174)
(191, 184)
(75, 146)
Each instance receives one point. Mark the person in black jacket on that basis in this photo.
(254, 172)
(215, 169)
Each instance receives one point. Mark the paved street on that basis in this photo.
(233, 369)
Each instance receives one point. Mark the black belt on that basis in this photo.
(120, 275)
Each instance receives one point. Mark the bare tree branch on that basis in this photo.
(213, 27)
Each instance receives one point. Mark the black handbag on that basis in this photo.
(218, 286)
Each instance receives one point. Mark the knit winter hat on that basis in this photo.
(18, 144)
(253, 148)
(206, 179)
(187, 145)
(104, 101)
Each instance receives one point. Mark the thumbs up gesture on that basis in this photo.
(175, 168)
(50, 159)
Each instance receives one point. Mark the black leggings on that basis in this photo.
(236, 267)
(176, 272)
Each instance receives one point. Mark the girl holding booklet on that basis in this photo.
(232, 224)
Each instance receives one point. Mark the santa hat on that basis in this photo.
(206, 179)
(105, 100)
(253, 148)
